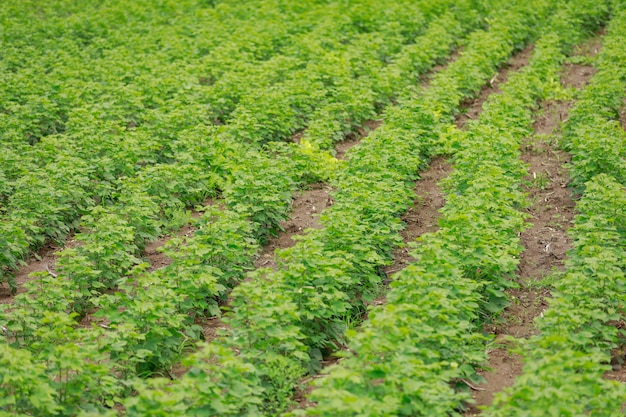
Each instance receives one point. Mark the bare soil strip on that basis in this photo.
(355, 137)
(44, 260)
(423, 215)
(305, 210)
(472, 108)
(546, 242)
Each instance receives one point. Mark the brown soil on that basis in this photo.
(305, 211)
(552, 207)
(545, 242)
(618, 360)
(296, 137)
(156, 258)
(591, 47)
(151, 252)
(423, 215)
(471, 108)
(577, 75)
(44, 260)
(355, 137)
(618, 374)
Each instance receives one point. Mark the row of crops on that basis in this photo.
(410, 357)
(154, 150)
(162, 112)
(148, 326)
(583, 325)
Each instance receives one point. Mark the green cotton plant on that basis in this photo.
(342, 82)
(172, 184)
(597, 147)
(200, 284)
(271, 340)
(24, 385)
(84, 280)
(80, 373)
(68, 371)
(147, 328)
(129, 155)
(222, 245)
(333, 121)
(22, 319)
(386, 373)
(54, 198)
(247, 331)
(110, 246)
(141, 212)
(592, 134)
(218, 383)
(13, 244)
(120, 143)
(148, 324)
(264, 200)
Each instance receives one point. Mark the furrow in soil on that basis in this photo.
(545, 241)
(305, 210)
(471, 109)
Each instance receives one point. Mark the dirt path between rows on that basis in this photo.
(306, 208)
(44, 260)
(545, 241)
(423, 216)
(472, 108)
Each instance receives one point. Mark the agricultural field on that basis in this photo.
(332, 208)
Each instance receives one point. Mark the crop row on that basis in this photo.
(415, 352)
(87, 85)
(593, 134)
(81, 166)
(154, 321)
(253, 185)
(565, 364)
(48, 201)
(172, 41)
(284, 321)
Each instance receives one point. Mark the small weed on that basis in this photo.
(540, 180)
